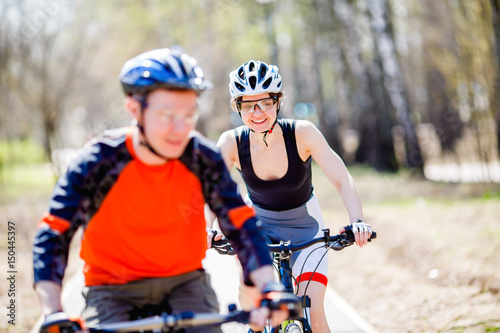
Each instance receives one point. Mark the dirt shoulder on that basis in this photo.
(434, 265)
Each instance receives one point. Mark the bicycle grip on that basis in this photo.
(223, 246)
(350, 235)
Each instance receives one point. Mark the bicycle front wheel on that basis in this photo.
(292, 328)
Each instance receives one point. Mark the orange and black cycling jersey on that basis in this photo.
(142, 221)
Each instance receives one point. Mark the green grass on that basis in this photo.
(491, 195)
(18, 180)
(21, 151)
(24, 170)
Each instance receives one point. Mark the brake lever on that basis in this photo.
(337, 246)
(341, 243)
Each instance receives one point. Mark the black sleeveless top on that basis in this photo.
(290, 191)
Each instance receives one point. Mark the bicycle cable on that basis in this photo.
(306, 314)
(319, 262)
(288, 270)
(314, 271)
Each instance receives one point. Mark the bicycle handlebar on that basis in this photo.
(336, 242)
(183, 320)
(274, 301)
(168, 322)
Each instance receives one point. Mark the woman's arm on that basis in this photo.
(228, 147)
(312, 142)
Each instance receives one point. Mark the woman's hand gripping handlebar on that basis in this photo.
(362, 232)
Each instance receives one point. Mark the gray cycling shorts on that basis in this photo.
(187, 292)
(299, 225)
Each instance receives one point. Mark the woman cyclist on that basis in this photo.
(274, 158)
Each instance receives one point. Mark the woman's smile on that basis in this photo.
(260, 121)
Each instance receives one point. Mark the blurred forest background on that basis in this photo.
(392, 84)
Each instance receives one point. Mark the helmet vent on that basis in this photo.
(251, 66)
(262, 73)
(268, 82)
(253, 81)
(239, 86)
(241, 72)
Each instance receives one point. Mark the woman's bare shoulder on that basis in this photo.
(227, 139)
(304, 128)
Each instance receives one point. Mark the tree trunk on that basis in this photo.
(393, 81)
(495, 6)
(369, 103)
(49, 129)
(328, 121)
(327, 113)
(376, 143)
(442, 113)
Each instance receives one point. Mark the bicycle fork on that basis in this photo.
(291, 325)
(306, 315)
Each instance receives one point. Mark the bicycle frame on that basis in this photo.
(282, 262)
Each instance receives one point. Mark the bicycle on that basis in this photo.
(175, 322)
(282, 253)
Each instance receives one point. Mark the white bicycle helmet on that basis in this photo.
(253, 78)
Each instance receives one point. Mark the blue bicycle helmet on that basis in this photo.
(162, 68)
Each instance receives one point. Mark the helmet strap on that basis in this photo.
(140, 125)
(269, 131)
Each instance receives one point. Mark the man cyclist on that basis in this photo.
(139, 195)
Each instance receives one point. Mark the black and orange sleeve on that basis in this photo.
(236, 220)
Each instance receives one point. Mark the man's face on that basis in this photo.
(169, 117)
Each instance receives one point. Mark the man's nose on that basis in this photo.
(179, 124)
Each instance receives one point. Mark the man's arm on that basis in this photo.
(49, 295)
(236, 220)
(52, 240)
(228, 150)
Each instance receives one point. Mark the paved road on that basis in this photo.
(342, 318)
(464, 173)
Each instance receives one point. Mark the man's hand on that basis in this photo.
(276, 304)
(60, 322)
(212, 235)
(259, 316)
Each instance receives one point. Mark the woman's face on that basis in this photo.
(258, 112)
